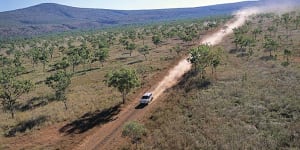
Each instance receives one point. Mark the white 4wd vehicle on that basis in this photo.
(147, 98)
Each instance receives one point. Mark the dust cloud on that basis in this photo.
(278, 6)
(184, 66)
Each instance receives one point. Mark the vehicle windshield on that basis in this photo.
(145, 97)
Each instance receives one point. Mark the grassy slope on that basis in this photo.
(254, 104)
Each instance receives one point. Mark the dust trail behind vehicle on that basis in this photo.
(184, 66)
(108, 136)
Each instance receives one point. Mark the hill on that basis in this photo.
(50, 17)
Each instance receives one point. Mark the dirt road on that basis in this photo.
(109, 135)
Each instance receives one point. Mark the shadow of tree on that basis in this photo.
(191, 80)
(243, 54)
(90, 120)
(122, 59)
(82, 72)
(135, 62)
(36, 102)
(234, 51)
(267, 58)
(39, 82)
(25, 125)
(27, 72)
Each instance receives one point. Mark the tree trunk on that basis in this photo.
(123, 97)
(65, 103)
(216, 77)
(44, 65)
(73, 68)
(11, 109)
(136, 145)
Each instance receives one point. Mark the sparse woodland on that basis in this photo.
(240, 94)
(60, 77)
(253, 103)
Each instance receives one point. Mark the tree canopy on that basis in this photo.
(59, 81)
(11, 89)
(124, 80)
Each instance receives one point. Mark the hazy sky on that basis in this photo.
(6, 5)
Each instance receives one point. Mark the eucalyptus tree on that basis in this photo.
(256, 32)
(123, 40)
(35, 55)
(214, 58)
(51, 51)
(185, 37)
(61, 49)
(124, 80)
(85, 54)
(276, 21)
(177, 49)
(18, 62)
(5, 60)
(156, 39)
(59, 81)
(191, 32)
(248, 43)
(11, 89)
(141, 36)
(132, 35)
(111, 38)
(62, 64)
(101, 55)
(237, 40)
(239, 37)
(171, 33)
(102, 44)
(286, 18)
(74, 57)
(43, 58)
(131, 47)
(271, 30)
(297, 21)
(199, 57)
(287, 53)
(270, 45)
(145, 50)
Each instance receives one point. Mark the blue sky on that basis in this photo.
(6, 5)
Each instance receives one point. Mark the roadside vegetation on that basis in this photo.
(253, 103)
(59, 78)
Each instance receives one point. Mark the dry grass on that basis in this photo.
(87, 92)
(254, 104)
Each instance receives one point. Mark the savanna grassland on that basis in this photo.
(78, 63)
(251, 102)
